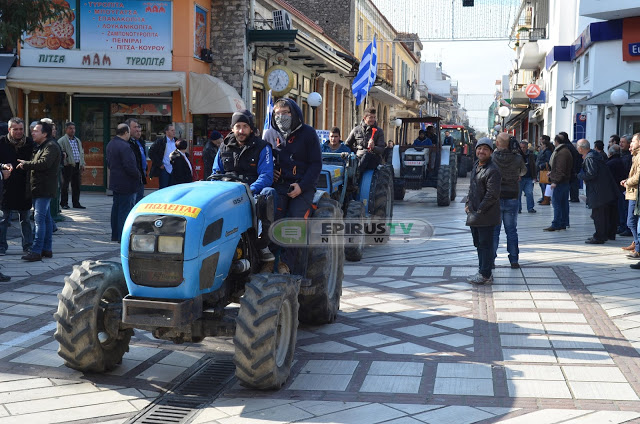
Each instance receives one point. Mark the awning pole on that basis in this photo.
(70, 107)
(26, 109)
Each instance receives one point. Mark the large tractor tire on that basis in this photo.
(266, 331)
(89, 337)
(454, 177)
(399, 189)
(445, 184)
(325, 269)
(355, 212)
(463, 167)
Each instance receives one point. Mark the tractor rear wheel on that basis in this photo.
(266, 331)
(325, 269)
(445, 183)
(355, 212)
(88, 335)
(381, 197)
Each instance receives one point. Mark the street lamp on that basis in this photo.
(503, 111)
(619, 97)
(314, 100)
(397, 122)
(564, 101)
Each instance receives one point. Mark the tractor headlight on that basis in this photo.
(170, 244)
(143, 243)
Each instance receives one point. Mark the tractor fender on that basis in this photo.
(444, 155)
(365, 188)
(396, 162)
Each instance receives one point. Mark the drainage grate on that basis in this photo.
(184, 400)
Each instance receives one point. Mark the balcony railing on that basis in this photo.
(385, 71)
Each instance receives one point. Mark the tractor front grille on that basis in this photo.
(156, 273)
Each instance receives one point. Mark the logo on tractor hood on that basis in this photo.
(169, 208)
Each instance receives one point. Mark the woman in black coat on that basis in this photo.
(182, 171)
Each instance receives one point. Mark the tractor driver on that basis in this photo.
(422, 140)
(251, 158)
(367, 141)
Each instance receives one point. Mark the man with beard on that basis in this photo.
(367, 141)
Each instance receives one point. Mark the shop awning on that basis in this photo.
(6, 62)
(385, 96)
(211, 95)
(98, 81)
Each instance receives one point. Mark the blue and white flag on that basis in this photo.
(267, 118)
(366, 73)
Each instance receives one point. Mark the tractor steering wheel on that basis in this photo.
(227, 176)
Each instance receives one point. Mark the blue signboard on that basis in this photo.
(542, 98)
(634, 49)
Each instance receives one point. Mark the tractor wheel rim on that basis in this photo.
(283, 332)
(111, 295)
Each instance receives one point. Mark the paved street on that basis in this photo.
(556, 341)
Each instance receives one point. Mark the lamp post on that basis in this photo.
(503, 111)
(619, 97)
(564, 101)
(314, 100)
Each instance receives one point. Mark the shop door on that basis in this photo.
(91, 119)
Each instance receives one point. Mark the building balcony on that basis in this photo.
(607, 10)
(385, 72)
(530, 56)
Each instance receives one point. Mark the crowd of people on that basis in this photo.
(500, 177)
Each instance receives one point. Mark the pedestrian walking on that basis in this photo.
(73, 166)
(483, 209)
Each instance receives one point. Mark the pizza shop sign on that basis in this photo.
(96, 60)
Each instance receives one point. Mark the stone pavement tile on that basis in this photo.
(510, 296)
(454, 414)
(603, 374)
(282, 414)
(327, 347)
(374, 280)
(544, 281)
(236, 406)
(356, 270)
(420, 330)
(459, 296)
(404, 420)
(161, 372)
(208, 415)
(372, 413)
(406, 349)
(316, 407)
(562, 317)
(457, 323)
(66, 415)
(602, 390)
(391, 270)
(413, 408)
(45, 299)
(399, 284)
(529, 355)
(452, 309)
(547, 416)
(533, 372)
(181, 359)
(547, 288)
(358, 289)
(396, 368)
(575, 342)
(390, 384)
(458, 271)
(623, 311)
(456, 286)
(419, 313)
(57, 279)
(431, 290)
(141, 353)
(430, 271)
(550, 296)
(462, 370)
(17, 297)
(518, 316)
(496, 288)
(394, 296)
(329, 367)
(607, 287)
(577, 329)
(626, 323)
(39, 288)
(7, 351)
(71, 401)
(524, 341)
(320, 382)
(378, 320)
(632, 334)
(583, 357)
(538, 389)
(362, 300)
(609, 417)
(8, 321)
(509, 280)
(46, 358)
(5, 305)
(124, 367)
(520, 328)
(539, 272)
(507, 272)
(425, 280)
(28, 310)
(556, 304)
(371, 339)
(335, 328)
(389, 307)
(496, 410)
(455, 340)
(513, 304)
(12, 383)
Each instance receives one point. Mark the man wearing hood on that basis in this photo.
(601, 194)
(422, 140)
(512, 167)
(367, 141)
(298, 162)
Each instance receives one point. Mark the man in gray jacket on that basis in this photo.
(483, 209)
(511, 165)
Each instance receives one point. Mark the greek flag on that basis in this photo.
(267, 118)
(366, 73)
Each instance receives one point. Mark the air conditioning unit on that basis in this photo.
(282, 20)
(206, 55)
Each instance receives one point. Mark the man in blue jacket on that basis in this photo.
(125, 179)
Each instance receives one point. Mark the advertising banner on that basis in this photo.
(199, 32)
(631, 39)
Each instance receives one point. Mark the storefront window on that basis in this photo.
(49, 105)
(200, 132)
(258, 106)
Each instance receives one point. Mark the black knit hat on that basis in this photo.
(242, 116)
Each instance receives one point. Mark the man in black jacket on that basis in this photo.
(528, 180)
(4, 174)
(366, 140)
(483, 209)
(139, 150)
(210, 151)
(160, 153)
(601, 194)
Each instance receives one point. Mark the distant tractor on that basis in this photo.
(462, 146)
(430, 166)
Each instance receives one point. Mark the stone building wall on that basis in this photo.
(228, 40)
(336, 17)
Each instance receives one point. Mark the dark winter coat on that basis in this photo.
(577, 161)
(359, 137)
(180, 172)
(542, 161)
(135, 147)
(44, 169)
(511, 166)
(616, 167)
(299, 158)
(208, 156)
(627, 159)
(253, 161)
(125, 176)
(17, 190)
(156, 154)
(601, 187)
(530, 164)
(561, 165)
(483, 199)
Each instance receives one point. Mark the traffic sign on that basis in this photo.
(532, 91)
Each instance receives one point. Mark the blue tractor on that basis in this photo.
(361, 199)
(188, 251)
